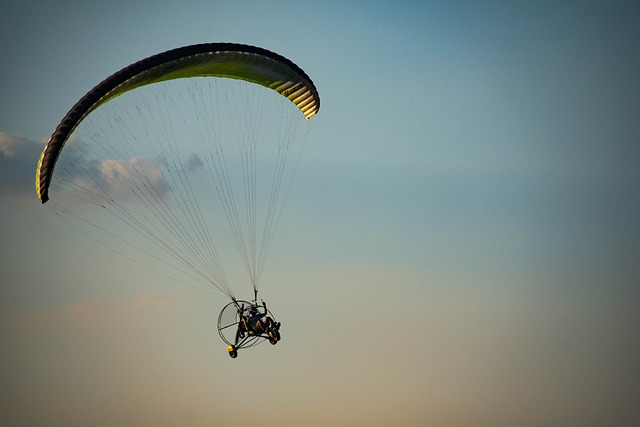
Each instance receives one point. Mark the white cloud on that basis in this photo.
(10, 144)
(119, 174)
(18, 161)
(120, 179)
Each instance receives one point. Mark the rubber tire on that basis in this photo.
(233, 352)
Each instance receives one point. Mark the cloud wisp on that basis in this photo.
(18, 161)
(86, 311)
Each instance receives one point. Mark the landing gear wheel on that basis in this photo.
(233, 352)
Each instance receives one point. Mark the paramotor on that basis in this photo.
(183, 158)
(243, 324)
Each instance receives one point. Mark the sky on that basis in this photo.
(460, 246)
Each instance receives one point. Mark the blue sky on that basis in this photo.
(460, 247)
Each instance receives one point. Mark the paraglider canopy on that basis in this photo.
(230, 60)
